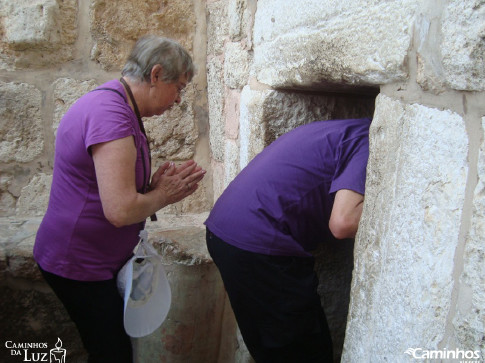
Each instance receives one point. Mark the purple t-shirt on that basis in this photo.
(280, 204)
(75, 240)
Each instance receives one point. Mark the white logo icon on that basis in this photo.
(58, 354)
(412, 352)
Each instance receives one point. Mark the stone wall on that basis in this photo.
(418, 280)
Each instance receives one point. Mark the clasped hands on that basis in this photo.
(177, 182)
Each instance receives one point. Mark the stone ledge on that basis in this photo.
(179, 239)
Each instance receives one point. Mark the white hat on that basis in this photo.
(147, 296)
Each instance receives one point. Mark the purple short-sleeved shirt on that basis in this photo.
(75, 240)
(280, 204)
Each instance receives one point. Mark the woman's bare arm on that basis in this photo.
(346, 213)
(114, 162)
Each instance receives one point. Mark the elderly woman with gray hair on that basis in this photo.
(101, 192)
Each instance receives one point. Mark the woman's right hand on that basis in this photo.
(176, 183)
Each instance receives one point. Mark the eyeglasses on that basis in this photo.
(181, 89)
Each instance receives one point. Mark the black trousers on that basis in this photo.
(275, 302)
(96, 308)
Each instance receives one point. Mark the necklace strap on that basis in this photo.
(142, 128)
(135, 106)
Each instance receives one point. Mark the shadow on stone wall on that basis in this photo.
(334, 265)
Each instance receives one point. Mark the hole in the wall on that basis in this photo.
(330, 104)
(334, 260)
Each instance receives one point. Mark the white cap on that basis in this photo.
(147, 295)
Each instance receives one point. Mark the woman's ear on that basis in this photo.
(156, 74)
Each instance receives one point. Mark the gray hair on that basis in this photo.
(151, 50)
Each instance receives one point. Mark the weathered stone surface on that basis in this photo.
(181, 246)
(16, 242)
(239, 18)
(469, 323)
(231, 162)
(115, 26)
(429, 72)
(173, 135)
(66, 92)
(20, 261)
(236, 66)
(37, 33)
(334, 264)
(7, 201)
(21, 132)
(332, 42)
(266, 115)
(217, 27)
(34, 197)
(3, 265)
(192, 329)
(218, 178)
(195, 203)
(463, 44)
(251, 127)
(215, 86)
(409, 231)
(231, 113)
(171, 222)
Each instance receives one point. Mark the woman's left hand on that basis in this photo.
(177, 183)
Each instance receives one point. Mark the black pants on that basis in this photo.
(275, 302)
(96, 308)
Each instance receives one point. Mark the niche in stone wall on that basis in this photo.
(270, 113)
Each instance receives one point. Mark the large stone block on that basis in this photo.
(21, 131)
(409, 232)
(325, 43)
(469, 322)
(37, 33)
(463, 44)
(116, 25)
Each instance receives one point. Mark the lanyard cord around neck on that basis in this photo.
(142, 128)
